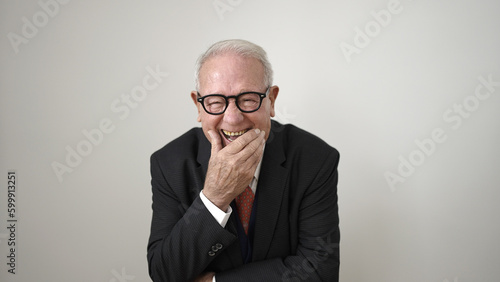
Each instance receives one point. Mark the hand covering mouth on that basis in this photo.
(231, 136)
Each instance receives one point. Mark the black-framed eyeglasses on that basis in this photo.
(247, 102)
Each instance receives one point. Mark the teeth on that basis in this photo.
(238, 133)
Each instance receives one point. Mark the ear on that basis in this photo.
(194, 97)
(273, 94)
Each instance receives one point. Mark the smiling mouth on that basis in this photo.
(231, 136)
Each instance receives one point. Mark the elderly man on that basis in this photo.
(243, 198)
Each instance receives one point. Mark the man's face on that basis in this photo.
(230, 74)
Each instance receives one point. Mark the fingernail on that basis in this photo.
(257, 130)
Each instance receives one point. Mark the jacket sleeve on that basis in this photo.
(184, 237)
(317, 254)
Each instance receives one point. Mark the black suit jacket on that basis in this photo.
(296, 233)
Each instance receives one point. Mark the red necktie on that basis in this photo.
(244, 203)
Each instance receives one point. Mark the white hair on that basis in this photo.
(240, 47)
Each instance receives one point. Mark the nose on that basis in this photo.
(233, 115)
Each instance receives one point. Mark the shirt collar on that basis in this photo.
(255, 179)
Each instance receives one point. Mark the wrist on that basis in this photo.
(222, 205)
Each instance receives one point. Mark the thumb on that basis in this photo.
(216, 142)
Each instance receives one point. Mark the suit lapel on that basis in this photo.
(270, 190)
(204, 151)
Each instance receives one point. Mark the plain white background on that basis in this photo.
(400, 78)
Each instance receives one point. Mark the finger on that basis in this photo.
(252, 160)
(237, 145)
(253, 149)
(216, 142)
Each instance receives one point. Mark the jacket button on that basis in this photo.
(218, 246)
(210, 253)
(214, 248)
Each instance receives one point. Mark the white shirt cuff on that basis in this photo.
(213, 279)
(219, 215)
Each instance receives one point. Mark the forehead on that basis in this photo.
(231, 73)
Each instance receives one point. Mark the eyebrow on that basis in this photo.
(243, 91)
